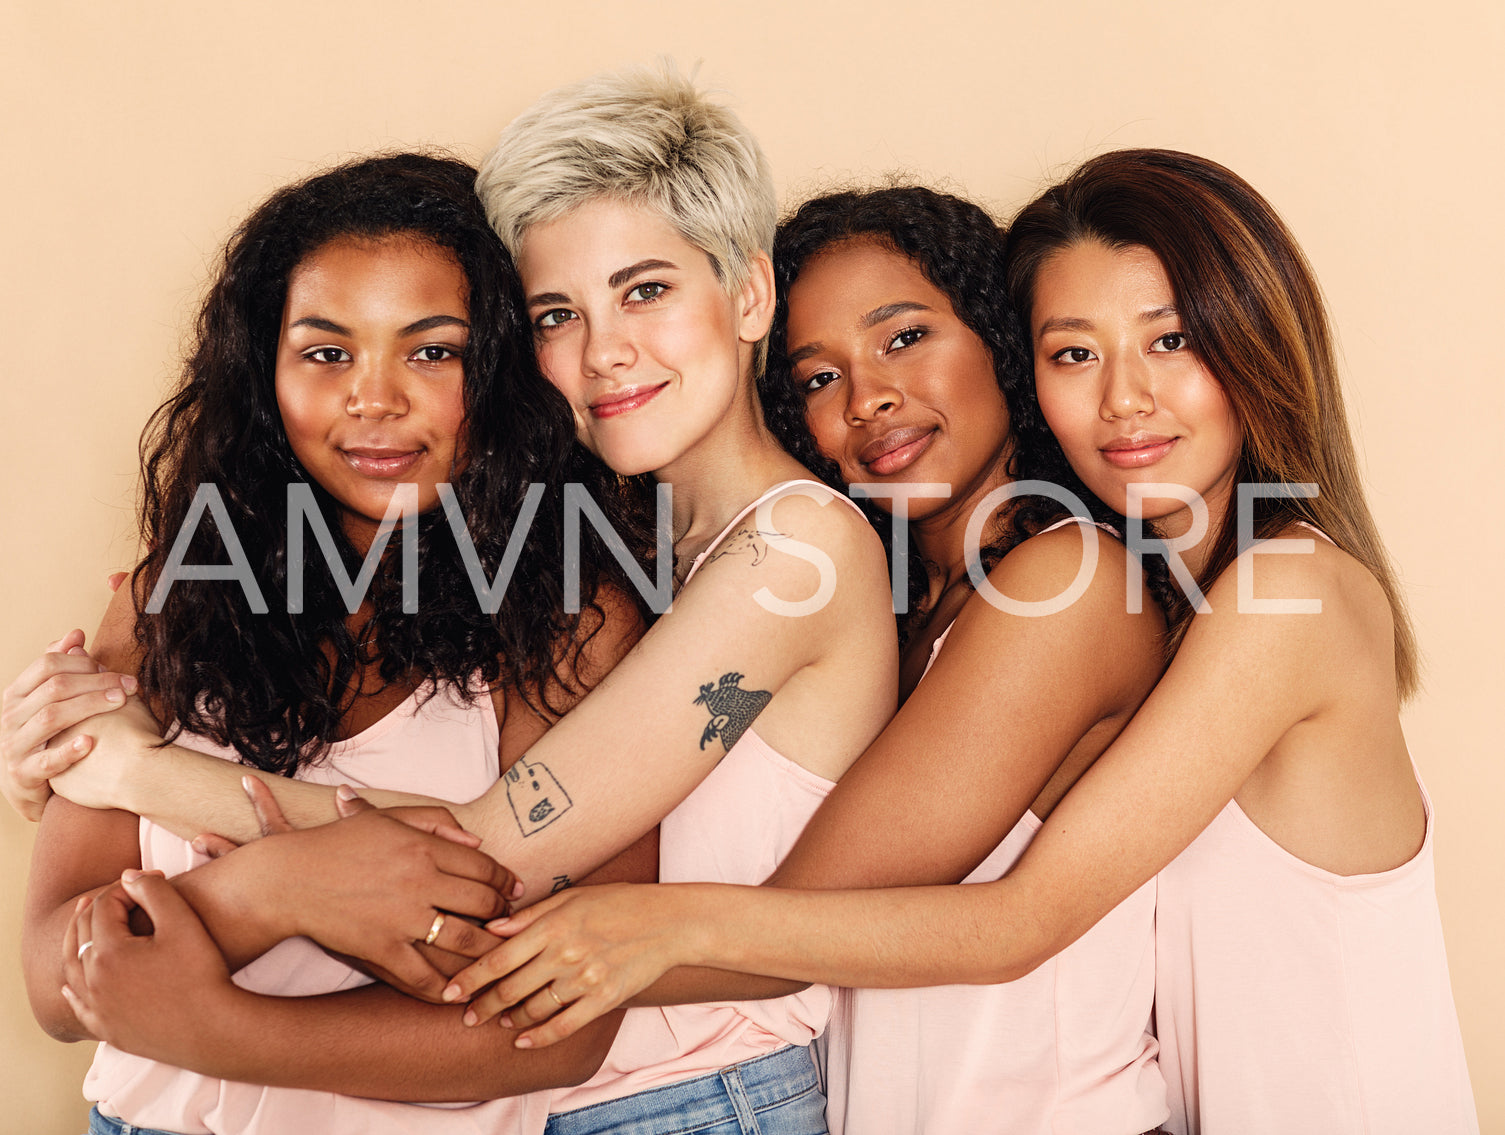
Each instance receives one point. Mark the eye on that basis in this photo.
(647, 292)
(1072, 355)
(1170, 341)
(818, 381)
(553, 318)
(327, 355)
(435, 353)
(906, 338)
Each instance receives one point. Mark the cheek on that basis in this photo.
(826, 429)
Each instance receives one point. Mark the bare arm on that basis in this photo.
(573, 808)
(1014, 709)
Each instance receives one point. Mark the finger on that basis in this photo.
(37, 720)
(168, 910)
(264, 803)
(43, 669)
(516, 990)
(544, 1005)
(73, 638)
(412, 973)
(469, 897)
(507, 960)
(82, 1013)
(436, 821)
(572, 1020)
(214, 846)
(348, 802)
(72, 965)
(37, 769)
(460, 936)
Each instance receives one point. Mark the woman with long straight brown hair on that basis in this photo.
(1183, 359)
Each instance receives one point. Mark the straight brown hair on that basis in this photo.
(1255, 315)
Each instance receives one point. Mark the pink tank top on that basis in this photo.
(443, 748)
(1289, 998)
(736, 827)
(1066, 1048)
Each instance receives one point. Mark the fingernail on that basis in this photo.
(470, 1017)
(524, 1042)
(130, 875)
(78, 650)
(245, 783)
(199, 845)
(83, 903)
(505, 1020)
(496, 924)
(345, 792)
(517, 890)
(451, 993)
(79, 744)
(115, 697)
(68, 995)
(130, 684)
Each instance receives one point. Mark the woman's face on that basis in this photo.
(633, 327)
(897, 388)
(1123, 388)
(368, 378)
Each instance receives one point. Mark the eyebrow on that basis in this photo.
(888, 311)
(318, 323)
(1073, 323)
(867, 323)
(622, 275)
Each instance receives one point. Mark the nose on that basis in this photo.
(377, 390)
(869, 394)
(607, 347)
(1127, 388)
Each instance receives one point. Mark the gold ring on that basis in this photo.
(82, 949)
(434, 929)
(549, 989)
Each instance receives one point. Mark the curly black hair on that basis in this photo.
(960, 249)
(275, 686)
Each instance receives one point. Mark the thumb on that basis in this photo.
(151, 891)
(348, 802)
(264, 802)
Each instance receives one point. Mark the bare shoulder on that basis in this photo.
(1304, 579)
(1077, 562)
(818, 516)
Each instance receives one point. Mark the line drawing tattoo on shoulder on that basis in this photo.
(732, 709)
(745, 541)
(536, 796)
(561, 882)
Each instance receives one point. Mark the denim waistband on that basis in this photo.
(732, 1094)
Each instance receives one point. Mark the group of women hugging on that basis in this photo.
(1096, 839)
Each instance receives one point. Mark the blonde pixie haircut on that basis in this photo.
(646, 136)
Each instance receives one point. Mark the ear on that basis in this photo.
(755, 302)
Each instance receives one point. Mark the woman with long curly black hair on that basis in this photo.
(359, 352)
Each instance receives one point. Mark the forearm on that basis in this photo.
(378, 1043)
(892, 938)
(692, 985)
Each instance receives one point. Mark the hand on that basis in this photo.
(120, 739)
(159, 995)
(381, 887)
(573, 957)
(56, 693)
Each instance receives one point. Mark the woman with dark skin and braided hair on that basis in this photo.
(894, 363)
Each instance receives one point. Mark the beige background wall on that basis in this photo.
(134, 135)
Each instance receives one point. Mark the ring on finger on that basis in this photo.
(83, 948)
(434, 929)
(549, 989)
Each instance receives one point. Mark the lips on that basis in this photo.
(624, 400)
(382, 461)
(1136, 451)
(896, 449)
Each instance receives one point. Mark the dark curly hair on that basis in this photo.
(275, 686)
(960, 249)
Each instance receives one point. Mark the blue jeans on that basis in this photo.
(777, 1094)
(108, 1125)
